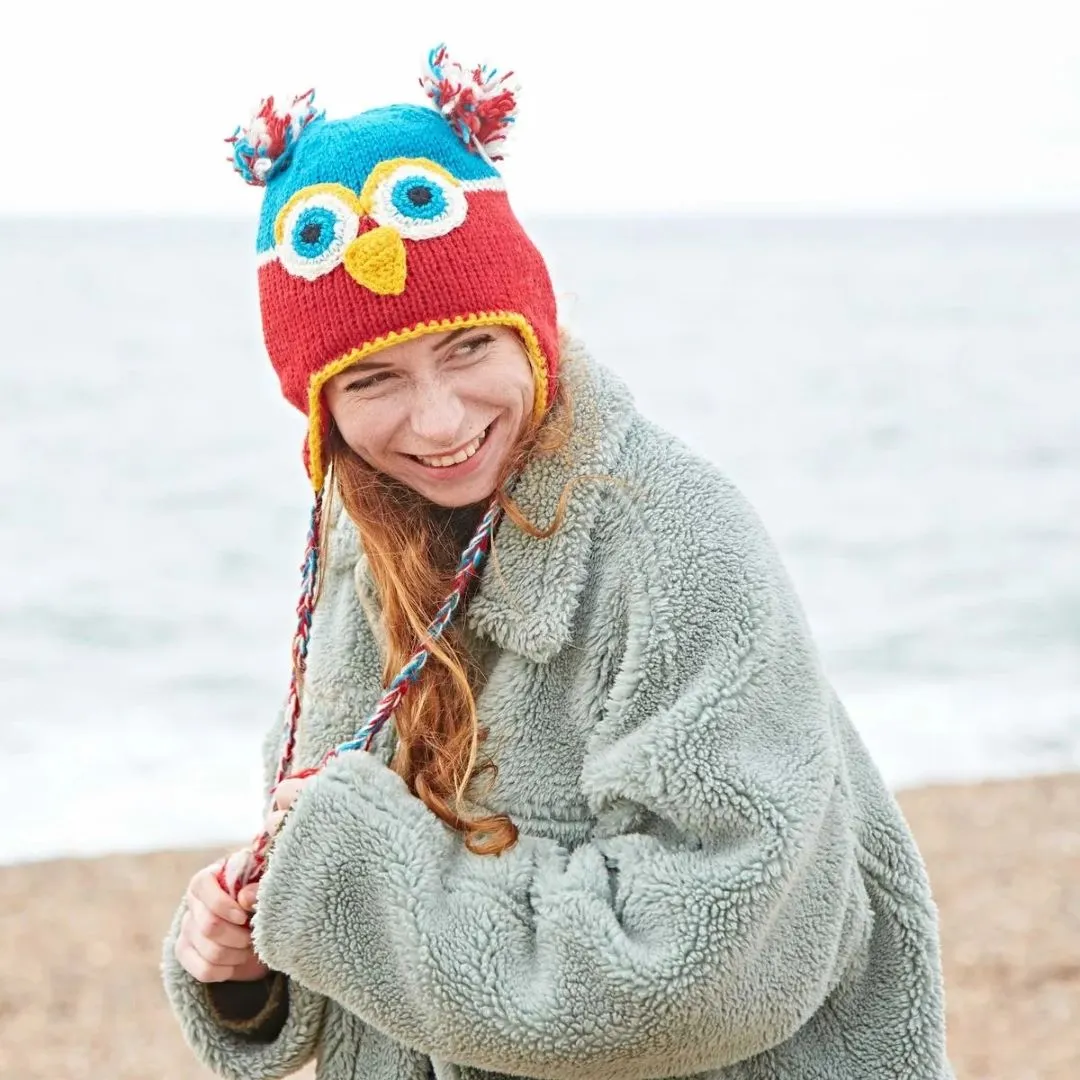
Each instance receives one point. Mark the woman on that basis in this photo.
(619, 826)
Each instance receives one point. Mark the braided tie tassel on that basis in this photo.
(248, 865)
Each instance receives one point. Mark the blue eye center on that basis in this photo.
(313, 232)
(419, 198)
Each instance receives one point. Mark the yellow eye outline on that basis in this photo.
(363, 203)
(385, 169)
(387, 211)
(338, 191)
(341, 204)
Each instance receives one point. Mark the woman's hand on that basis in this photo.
(284, 797)
(214, 944)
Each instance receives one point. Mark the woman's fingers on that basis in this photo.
(249, 894)
(218, 955)
(193, 962)
(214, 942)
(218, 930)
(284, 797)
(211, 949)
(285, 793)
(204, 887)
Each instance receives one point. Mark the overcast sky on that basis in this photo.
(113, 106)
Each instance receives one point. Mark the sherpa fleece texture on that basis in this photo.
(711, 876)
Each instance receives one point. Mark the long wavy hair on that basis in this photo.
(412, 548)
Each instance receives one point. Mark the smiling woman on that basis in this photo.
(681, 860)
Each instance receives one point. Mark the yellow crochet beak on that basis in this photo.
(376, 260)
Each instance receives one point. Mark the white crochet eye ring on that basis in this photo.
(419, 203)
(315, 233)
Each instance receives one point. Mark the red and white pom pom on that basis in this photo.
(269, 137)
(480, 104)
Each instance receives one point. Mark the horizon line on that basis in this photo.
(779, 211)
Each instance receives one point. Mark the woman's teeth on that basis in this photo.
(463, 454)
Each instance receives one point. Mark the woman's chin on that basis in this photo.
(465, 492)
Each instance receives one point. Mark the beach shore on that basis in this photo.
(80, 940)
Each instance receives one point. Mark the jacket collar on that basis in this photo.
(530, 588)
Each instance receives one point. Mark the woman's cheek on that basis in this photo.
(366, 432)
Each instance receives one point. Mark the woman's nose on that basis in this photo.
(437, 416)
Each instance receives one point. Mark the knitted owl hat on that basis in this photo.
(376, 230)
(386, 226)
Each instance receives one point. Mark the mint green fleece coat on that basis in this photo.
(711, 878)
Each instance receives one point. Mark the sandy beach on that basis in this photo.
(80, 994)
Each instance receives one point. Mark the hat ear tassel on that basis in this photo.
(265, 145)
(480, 104)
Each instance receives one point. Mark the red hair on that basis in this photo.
(412, 552)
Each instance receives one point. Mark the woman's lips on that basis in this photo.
(459, 465)
(455, 457)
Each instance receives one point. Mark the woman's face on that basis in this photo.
(439, 413)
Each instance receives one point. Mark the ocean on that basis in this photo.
(898, 398)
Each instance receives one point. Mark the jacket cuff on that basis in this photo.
(237, 1055)
(257, 1010)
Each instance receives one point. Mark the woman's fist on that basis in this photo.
(214, 944)
(215, 940)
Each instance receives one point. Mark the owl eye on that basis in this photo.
(419, 203)
(315, 233)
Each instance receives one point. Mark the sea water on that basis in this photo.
(898, 398)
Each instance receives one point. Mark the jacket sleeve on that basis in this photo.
(707, 930)
(275, 1043)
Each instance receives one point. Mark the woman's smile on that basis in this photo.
(452, 458)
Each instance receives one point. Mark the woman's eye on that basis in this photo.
(370, 381)
(314, 234)
(472, 346)
(419, 203)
